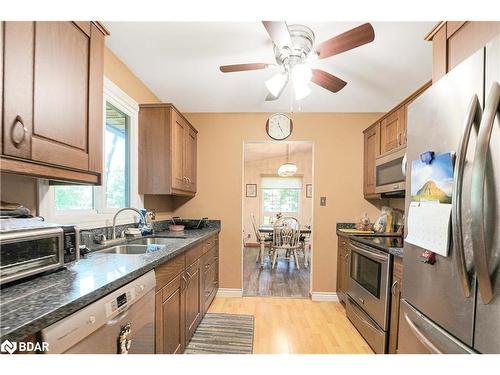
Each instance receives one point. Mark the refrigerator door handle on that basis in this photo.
(477, 194)
(421, 337)
(473, 117)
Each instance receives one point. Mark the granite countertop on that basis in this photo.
(394, 250)
(29, 306)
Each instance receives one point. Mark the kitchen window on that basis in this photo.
(97, 204)
(280, 195)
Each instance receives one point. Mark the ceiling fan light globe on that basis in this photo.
(276, 83)
(287, 170)
(301, 91)
(301, 74)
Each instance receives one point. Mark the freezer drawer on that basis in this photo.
(419, 335)
(375, 336)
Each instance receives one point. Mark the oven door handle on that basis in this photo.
(370, 254)
(421, 337)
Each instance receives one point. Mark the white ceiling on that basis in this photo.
(179, 62)
(266, 150)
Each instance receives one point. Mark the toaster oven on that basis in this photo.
(31, 246)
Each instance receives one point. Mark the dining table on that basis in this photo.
(306, 231)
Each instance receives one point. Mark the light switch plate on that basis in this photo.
(322, 201)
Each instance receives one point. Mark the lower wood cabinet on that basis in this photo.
(342, 268)
(182, 300)
(193, 297)
(397, 285)
(170, 318)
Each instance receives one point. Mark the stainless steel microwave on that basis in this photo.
(390, 173)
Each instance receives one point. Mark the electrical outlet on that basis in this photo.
(322, 201)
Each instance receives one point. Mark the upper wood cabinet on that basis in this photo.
(52, 100)
(386, 134)
(371, 151)
(167, 151)
(454, 41)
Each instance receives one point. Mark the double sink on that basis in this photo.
(141, 246)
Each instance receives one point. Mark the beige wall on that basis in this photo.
(125, 79)
(19, 189)
(338, 175)
(253, 172)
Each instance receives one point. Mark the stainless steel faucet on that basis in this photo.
(125, 209)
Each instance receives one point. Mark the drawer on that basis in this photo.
(193, 254)
(169, 270)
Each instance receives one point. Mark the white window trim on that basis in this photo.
(102, 217)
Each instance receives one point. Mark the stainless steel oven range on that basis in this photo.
(368, 293)
(32, 246)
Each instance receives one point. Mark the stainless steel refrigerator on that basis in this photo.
(453, 305)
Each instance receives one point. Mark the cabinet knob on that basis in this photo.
(18, 132)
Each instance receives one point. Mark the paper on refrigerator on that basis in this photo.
(428, 226)
(430, 208)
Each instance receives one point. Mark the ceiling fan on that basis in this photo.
(294, 52)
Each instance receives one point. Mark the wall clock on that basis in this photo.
(279, 126)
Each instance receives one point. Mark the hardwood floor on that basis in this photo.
(283, 281)
(296, 326)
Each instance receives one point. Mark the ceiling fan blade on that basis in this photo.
(270, 97)
(242, 67)
(327, 80)
(278, 32)
(344, 42)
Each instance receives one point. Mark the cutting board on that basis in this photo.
(356, 231)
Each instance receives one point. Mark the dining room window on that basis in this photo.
(280, 195)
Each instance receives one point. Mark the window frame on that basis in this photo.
(299, 202)
(101, 215)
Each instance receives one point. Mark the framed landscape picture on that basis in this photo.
(309, 190)
(251, 190)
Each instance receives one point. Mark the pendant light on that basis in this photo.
(288, 169)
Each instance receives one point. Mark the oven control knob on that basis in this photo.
(361, 300)
(71, 250)
(91, 319)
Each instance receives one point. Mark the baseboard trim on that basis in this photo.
(229, 292)
(324, 296)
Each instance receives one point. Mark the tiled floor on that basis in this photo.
(298, 326)
(283, 281)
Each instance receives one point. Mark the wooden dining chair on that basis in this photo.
(264, 242)
(286, 238)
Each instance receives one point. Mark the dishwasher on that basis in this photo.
(121, 322)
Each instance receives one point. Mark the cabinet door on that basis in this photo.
(389, 132)
(397, 278)
(190, 157)
(402, 124)
(18, 88)
(170, 318)
(371, 151)
(178, 150)
(340, 267)
(193, 298)
(61, 88)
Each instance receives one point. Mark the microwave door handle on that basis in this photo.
(477, 194)
(421, 337)
(473, 118)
